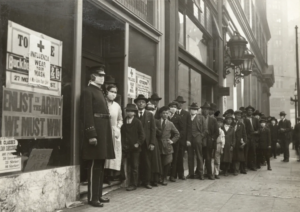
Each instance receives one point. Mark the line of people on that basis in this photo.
(153, 140)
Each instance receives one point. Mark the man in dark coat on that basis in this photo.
(185, 133)
(154, 99)
(252, 127)
(177, 163)
(274, 135)
(211, 129)
(297, 137)
(98, 144)
(264, 142)
(148, 146)
(284, 132)
(240, 142)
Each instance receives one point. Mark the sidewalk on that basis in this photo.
(277, 191)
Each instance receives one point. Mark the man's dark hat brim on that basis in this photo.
(155, 97)
(99, 70)
(180, 99)
(206, 106)
(194, 106)
(173, 103)
(250, 107)
(282, 113)
(131, 107)
(141, 97)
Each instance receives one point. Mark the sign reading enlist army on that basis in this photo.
(27, 115)
(33, 61)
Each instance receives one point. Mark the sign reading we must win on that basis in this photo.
(31, 115)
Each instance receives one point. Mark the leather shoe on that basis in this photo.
(235, 174)
(172, 179)
(182, 178)
(190, 177)
(211, 177)
(201, 177)
(148, 186)
(164, 183)
(96, 204)
(104, 200)
(243, 172)
(217, 177)
(154, 184)
(269, 168)
(131, 188)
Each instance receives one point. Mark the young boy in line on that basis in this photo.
(132, 139)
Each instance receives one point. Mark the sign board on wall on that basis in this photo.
(27, 115)
(131, 83)
(33, 61)
(38, 159)
(8, 161)
(143, 84)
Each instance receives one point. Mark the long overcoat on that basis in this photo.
(229, 142)
(264, 139)
(96, 122)
(240, 133)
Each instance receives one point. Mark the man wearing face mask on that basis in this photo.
(98, 143)
(284, 130)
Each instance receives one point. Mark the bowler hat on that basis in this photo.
(229, 111)
(141, 97)
(250, 107)
(109, 80)
(162, 109)
(282, 113)
(273, 118)
(131, 107)
(173, 103)
(150, 106)
(180, 99)
(155, 97)
(194, 106)
(205, 106)
(99, 70)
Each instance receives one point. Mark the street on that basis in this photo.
(277, 190)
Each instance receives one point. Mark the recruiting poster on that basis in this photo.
(27, 115)
(131, 83)
(33, 61)
(8, 161)
(143, 84)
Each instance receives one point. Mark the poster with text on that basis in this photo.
(33, 61)
(143, 84)
(27, 115)
(131, 83)
(9, 162)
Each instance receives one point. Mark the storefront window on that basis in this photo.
(142, 57)
(194, 41)
(42, 140)
(189, 84)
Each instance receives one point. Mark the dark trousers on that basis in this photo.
(95, 179)
(264, 154)
(177, 169)
(133, 161)
(274, 148)
(195, 149)
(145, 165)
(166, 168)
(226, 167)
(246, 149)
(207, 156)
(285, 149)
(252, 153)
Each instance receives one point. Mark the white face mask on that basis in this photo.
(111, 96)
(99, 80)
(173, 110)
(194, 112)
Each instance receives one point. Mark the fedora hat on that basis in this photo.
(109, 80)
(131, 107)
(194, 106)
(155, 97)
(180, 99)
(141, 97)
(229, 111)
(162, 109)
(98, 70)
(150, 106)
(173, 103)
(282, 113)
(206, 106)
(250, 107)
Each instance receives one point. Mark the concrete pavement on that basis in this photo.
(275, 191)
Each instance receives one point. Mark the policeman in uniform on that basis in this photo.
(97, 144)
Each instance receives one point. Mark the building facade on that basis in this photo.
(170, 47)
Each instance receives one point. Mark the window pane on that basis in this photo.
(196, 87)
(183, 82)
(181, 28)
(193, 41)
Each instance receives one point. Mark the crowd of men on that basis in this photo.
(154, 140)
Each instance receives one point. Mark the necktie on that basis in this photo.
(164, 123)
(141, 114)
